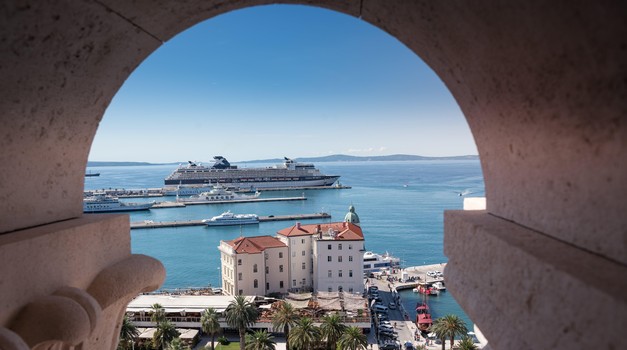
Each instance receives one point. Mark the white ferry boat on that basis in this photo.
(218, 194)
(374, 262)
(286, 175)
(227, 218)
(102, 203)
(189, 190)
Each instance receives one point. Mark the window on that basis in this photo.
(293, 283)
(255, 284)
(267, 269)
(280, 268)
(350, 246)
(330, 289)
(241, 292)
(339, 273)
(239, 261)
(267, 285)
(339, 289)
(293, 254)
(329, 247)
(339, 258)
(329, 258)
(239, 276)
(280, 255)
(339, 246)
(304, 281)
(350, 273)
(255, 268)
(330, 274)
(303, 266)
(302, 241)
(303, 253)
(281, 284)
(350, 258)
(350, 289)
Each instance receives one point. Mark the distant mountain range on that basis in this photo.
(332, 158)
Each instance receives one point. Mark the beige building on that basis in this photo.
(254, 266)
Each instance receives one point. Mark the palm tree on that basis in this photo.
(165, 333)
(467, 344)
(158, 313)
(241, 314)
(210, 324)
(305, 335)
(260, 340)
(128, 333)
(176, 344)
(353, 339)
(283, 319)
(449, 326)
(331, 330)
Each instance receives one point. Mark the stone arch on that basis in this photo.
(542, 86)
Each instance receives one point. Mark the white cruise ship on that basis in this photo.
(101, 203)
(227, 218)
(374, 262)
(286, 175)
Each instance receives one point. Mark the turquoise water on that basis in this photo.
(400, 205)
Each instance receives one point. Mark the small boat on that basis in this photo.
(374, 262)
(423, 316)
(218, 194)
(227, 218)
(102, 203)
(439, 285)
(91, 174)
(426, 289)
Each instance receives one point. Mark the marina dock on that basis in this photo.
(160, 192)
(162, 224)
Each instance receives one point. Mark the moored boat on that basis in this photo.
(374, 262)
(101, 203)
(286, 175)
(423, 316)
(228, 219)
(218, 194)
(426, 289)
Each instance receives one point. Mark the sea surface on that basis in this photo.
(400, 205)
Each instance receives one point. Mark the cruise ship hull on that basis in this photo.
(237, 183)
(89, 209)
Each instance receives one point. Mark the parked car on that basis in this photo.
(392, 306)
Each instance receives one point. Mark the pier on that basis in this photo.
(160, 192)
(162, 224)
(169, 204)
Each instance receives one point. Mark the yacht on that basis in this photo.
(227, 218)
(218, 194)
(374, 262)
(102, 203)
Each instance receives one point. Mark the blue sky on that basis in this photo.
(281, 80)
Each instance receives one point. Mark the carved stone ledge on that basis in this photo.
(520, 286)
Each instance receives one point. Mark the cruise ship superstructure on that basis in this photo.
(286, 175)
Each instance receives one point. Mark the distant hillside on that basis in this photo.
(347, 158)
(97, 164)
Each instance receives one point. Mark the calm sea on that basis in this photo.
(400, 205)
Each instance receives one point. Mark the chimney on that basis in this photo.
(345, 224)
(298, 225)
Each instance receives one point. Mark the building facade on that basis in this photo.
(254, 266)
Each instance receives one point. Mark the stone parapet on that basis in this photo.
(528, 290)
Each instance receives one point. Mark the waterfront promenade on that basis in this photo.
(180, 223)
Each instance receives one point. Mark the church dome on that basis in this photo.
(351, 216)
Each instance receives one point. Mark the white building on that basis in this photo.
(254, 266)
(317, 257)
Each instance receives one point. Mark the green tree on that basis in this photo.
(210, 324)
(283, 319)
(165, 333)
(352, 339)
(467, 344)
(305, 335)
(241, 314)
(158, 313)
(128, 333)
(260, 340)
(449, 326)
(331, 330)
(177, 344)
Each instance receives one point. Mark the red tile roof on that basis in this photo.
(254, 245)
(346, 230)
